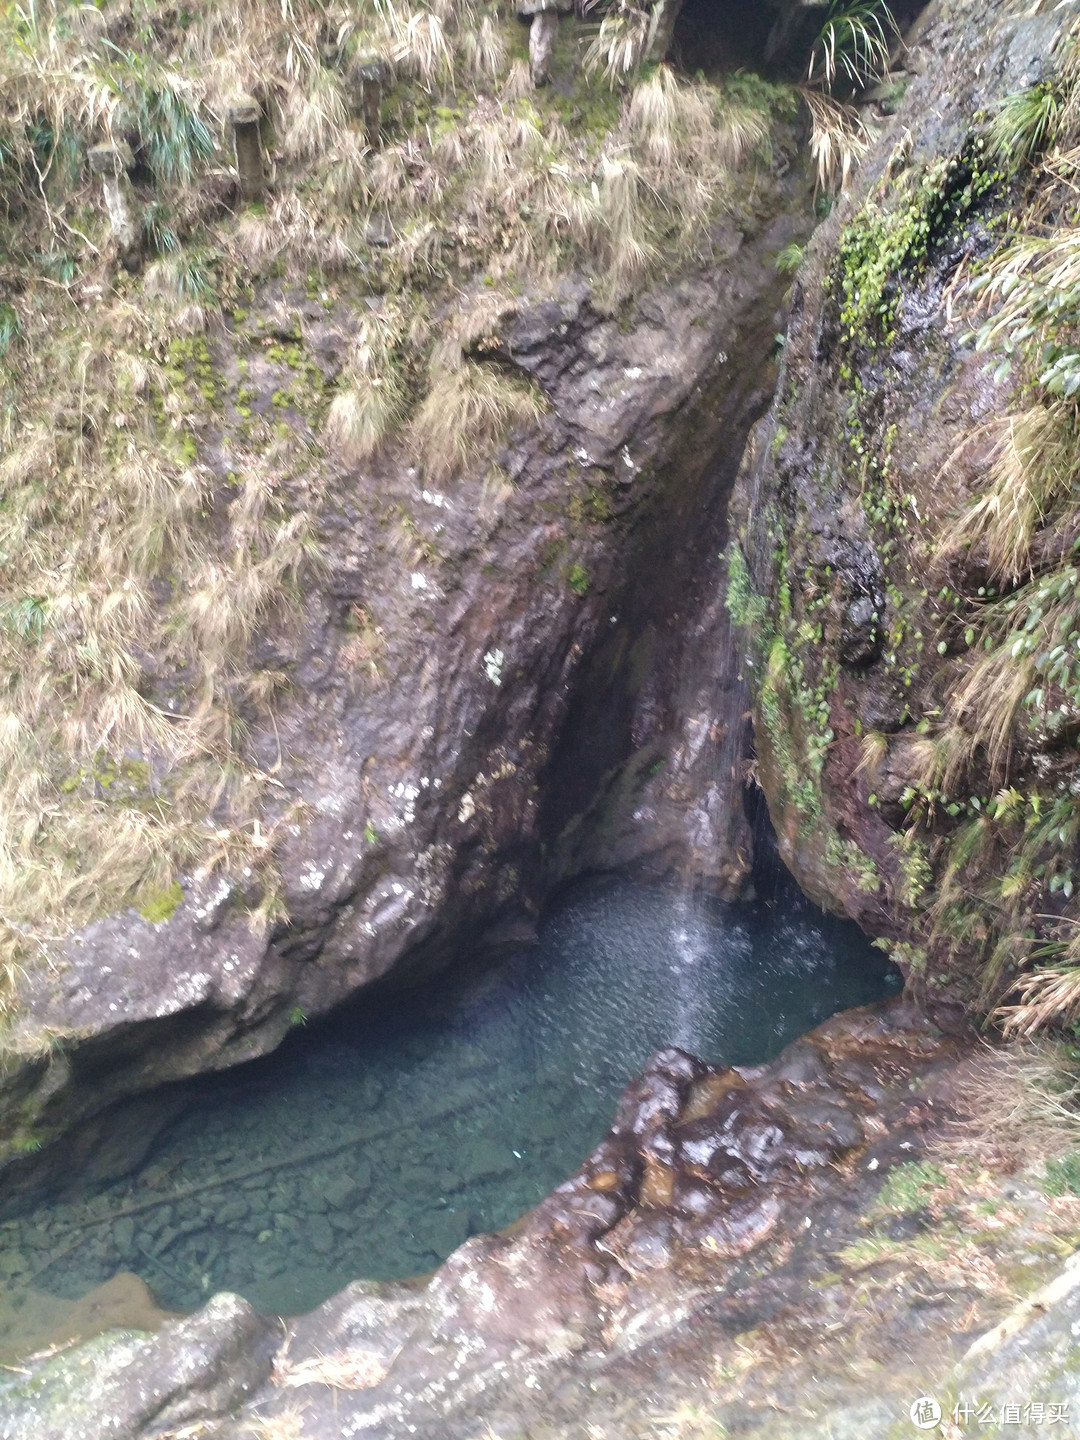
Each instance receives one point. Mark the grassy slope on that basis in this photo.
(156, 516)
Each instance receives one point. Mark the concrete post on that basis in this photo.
(543, 16)
(242, 116)
(372, 72)
(661, 29)
(112, 162)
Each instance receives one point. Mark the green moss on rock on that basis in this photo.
(163, 904)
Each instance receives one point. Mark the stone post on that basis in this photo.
(543, 16)
(242, 116)
(112, 162)
(372, 72)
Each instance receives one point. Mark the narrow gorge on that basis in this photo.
(538, 749)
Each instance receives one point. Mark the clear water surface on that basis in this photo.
(376, 1142)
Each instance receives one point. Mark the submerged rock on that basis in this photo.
(703, 1168)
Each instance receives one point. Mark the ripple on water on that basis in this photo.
(376, 1142)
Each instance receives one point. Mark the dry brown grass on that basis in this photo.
(347, 1370)
(1044, 997)
(468, 407)
(619, 46)
(873, 749)
(1018, 1105)
(137, 577)
(106, 792)
(372, 404)
(287, 1424)
(1031, 467)
(839, 138)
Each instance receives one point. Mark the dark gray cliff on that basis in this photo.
(433, 763)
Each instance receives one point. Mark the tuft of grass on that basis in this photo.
(789, 259)
(907, 1188)
(853, 44)
(286, 1424)
(174, 137)
(1031, 468)
(420, 44)
(10, 327)
(872, 751)
(317, 117)
(986, 703)
(839, 138)
(619, 46)
(1063, 1175)
(1026, 124)
(1049, 995)
(1019, 1103)
(484, 50)
(161, 907)
(105, 794)
(363, 415)
(346, 1370)
(468, 407)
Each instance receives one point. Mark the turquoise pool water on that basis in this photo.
(373, 1143)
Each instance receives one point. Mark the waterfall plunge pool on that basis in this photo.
(375, 1142)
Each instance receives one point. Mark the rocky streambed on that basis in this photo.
(768, 1249)
(376, 1143)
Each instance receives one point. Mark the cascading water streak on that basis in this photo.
(374, 1143)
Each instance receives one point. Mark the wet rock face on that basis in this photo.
(847, 484)
(708, 1178)
(197, 1369)
(446, 643)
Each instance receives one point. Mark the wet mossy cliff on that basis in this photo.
(894, 538)
(356, 532)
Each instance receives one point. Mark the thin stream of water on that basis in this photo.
(375, 1142)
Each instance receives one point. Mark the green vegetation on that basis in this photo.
(163, 905)
(794, 687)
(853, 44)
(26, 1144)
(578, 579)
(894, 231)
(746, 609)
(907, 1188)
(1029, 122)
(1063, 1175)
(789, 259)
